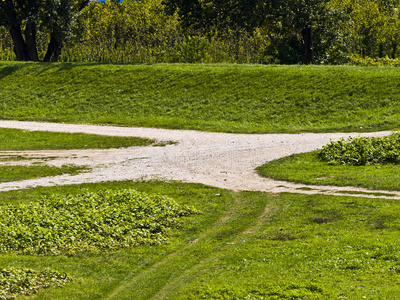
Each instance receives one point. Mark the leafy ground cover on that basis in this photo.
(244, 245)
(14, 139)
(14, 282)
(15, 173)
(308, 168)
(230, 98)
(104, 220)
(360, 151)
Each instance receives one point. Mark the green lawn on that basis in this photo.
(309, 169)
(15, 173)
(14, 139)
(245, 245)
(230, 98)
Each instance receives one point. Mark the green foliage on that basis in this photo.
(361, 151)
(23, 20)
(289, 291)
(357, 60)
(151, 31)
(14, 282)
(105, 220)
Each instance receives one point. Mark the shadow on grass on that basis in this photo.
(9, 69)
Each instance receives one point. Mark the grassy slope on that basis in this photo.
(280, 246)
(309, 169)
(232, 98)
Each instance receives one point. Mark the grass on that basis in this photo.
(229, 98)
(245, 245)
(309, 169)
(16, 173)
(14, 139)
(365, 193)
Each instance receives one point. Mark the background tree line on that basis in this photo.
(241, 31)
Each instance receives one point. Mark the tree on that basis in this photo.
(291, 22)
(23, 18)
(206, 15)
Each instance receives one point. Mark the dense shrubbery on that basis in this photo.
(363, 151)
(151, 31)
(106, 220)
(368, 61)
(14, 282)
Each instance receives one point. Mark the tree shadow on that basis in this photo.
(9, 69)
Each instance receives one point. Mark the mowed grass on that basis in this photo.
(14, 139)
(19, 140)
(309, 169)
(244, 245)
(229, 98)
(16, 173)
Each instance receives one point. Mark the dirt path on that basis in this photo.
(218, 159)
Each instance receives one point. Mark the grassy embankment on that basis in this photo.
(11, 139)
(230, 98)
(243, 246)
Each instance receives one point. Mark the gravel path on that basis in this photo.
(217, 159)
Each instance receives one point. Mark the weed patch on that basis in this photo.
(105, 220)
(14, 282)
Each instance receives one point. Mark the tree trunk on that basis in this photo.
(53, 49)
(20, 49)
(30, 40)
(307, 56)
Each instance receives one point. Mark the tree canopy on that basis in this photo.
(261, 31)
(23, 18)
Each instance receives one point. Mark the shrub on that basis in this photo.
(106, 220)
(363, 151)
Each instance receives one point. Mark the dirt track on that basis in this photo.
(217, 159)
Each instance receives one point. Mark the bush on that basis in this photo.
(368, 61)
(363, 151)
(106, 220)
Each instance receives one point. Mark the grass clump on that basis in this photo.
(103, 220)
(362, 151)
(15, 281)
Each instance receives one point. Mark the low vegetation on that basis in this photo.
(300, 246)
(16, 173)
(365, 162)
(14, 139)
(14, 282)
(105, 220)
(361, 151)
(230, 98)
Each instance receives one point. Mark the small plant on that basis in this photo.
(361, 151)
(15, 281)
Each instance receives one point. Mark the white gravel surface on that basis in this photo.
(217, 159)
